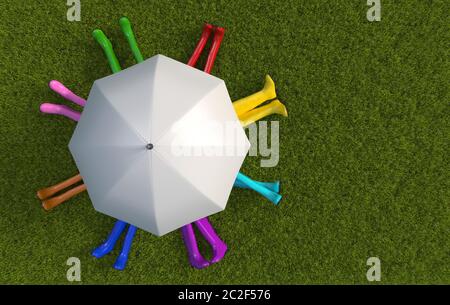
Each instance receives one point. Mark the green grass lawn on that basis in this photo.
(363, 154)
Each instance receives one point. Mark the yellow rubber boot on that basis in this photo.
(246, 104)
(275, 107)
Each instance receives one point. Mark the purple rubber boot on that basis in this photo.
(195, 258)
(218, 246)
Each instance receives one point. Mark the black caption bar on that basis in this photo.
(219, 294)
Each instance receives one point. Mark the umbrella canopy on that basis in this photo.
(159, 145)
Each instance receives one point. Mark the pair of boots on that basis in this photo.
(247, 108)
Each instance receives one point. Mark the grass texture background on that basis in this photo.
(363, 154)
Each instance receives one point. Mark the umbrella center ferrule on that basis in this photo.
(149, 146)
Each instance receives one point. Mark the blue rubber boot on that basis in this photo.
(249, 183)
(110, 242)
(273, 186)
(122, 259)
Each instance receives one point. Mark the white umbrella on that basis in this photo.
(159, 145)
